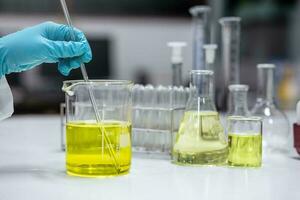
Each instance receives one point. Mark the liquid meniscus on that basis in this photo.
(245, 150)
(200, 140)
(87, 152)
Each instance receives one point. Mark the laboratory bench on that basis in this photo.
(32, 166)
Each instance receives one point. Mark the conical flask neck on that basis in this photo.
(201, 89)
(202, 83)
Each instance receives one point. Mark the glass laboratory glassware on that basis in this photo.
(276, 124)
(230, 54)
(201, 34)
(157, 111)
(200, 139)
(238, 103)
(93, 148)
(63, 121)
(177, 62)
(210, 56)
(244, 141)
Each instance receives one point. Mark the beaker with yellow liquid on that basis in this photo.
(200, 139)
(244, 141)
(98, 148)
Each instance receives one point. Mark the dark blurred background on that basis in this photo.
(128, 40)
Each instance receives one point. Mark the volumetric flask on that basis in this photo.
(98, 148)
(244, 141)
(200, 139)
(276, 124)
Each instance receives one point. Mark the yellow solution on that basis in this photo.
(200, 140)
(245, 150)
(87, 153)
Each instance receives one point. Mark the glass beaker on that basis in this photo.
(200, 139)
(244, 141)
(98, 148)
(238, 103)
(276, 124)
(63, 121)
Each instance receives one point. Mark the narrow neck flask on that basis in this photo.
(201, 34)
(275, 123)
(200, 139)
(176, 74)
(238, 104)
(210, 56)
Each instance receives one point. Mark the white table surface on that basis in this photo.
(32, 167)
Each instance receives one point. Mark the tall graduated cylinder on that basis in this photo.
(93, 147)
(200, 139)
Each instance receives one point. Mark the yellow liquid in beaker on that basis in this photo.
(245, 150)
(200, 140)
(87, 153)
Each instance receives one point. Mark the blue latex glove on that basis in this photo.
(44, 43)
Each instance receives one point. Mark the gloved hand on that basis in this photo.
(44, 43)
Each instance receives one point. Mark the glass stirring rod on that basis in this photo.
(91, 95)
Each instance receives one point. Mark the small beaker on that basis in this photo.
(93, 147)
(244, 141)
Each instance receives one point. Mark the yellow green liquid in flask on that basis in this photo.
(245, 150)
(200, 140)
(87, 152)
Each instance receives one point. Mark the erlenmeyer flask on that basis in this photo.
(200, 139)
(238, 104)
(275, 122)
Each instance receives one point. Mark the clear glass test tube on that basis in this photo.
(201, 34)
(244, 141)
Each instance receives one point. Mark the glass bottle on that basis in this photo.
(275, 122)
(238, 104)
(200, 139)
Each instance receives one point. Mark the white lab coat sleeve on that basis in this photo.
(6, 99)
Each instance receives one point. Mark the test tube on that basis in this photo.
(201, 34)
